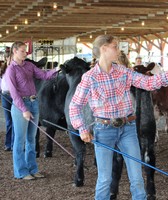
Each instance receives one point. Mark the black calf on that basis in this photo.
(146, 129)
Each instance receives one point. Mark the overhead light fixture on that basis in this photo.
(54, 5)
(78, 39)
(143, 23)
(26, 21)
(7, 31)
(0, 35)
(122, 28)
(38, 14)
(15, 27)
(90, 36)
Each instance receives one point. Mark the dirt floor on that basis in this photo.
(59, 170)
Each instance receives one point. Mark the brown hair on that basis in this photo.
(3, 67)
(15, 45)
(100, 41)
(93, 62)
(4, 64)
(123, 60)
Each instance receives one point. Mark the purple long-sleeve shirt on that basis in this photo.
(20, 79)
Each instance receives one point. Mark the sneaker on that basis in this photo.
(28, 177)
(7, 149)
(38, 175)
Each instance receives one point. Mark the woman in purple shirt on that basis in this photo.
(20, 76)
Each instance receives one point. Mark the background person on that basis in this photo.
(106, 87)
(138, 60)
(6, 101)
(20, 75)
(123, 60)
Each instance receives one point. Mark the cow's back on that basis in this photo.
(51, 96)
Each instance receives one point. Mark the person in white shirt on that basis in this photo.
(6, 104)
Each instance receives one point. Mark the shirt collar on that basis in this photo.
(99, 70)
(14, 63)
(116, 70)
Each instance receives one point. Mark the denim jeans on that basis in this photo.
(7, 104)
(126, 139)
(24, 154)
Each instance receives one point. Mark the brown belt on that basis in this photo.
(116, 122)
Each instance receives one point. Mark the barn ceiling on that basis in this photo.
(82, 18)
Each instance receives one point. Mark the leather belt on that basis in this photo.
(116, 122)
(31, 98)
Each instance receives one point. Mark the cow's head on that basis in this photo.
(144, 70)
(74, 69)
(74, 64)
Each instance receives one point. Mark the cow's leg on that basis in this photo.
(150, 187)
(38, 143)
(80, 151)
(49, 146)
(116, 174)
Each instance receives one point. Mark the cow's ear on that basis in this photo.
(150, 66)
(42, 62)
(64, 68)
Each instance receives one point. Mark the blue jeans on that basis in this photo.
(7, 104)
(24, 154)
(126, 139)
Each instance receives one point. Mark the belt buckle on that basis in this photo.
(32, 98)
(117, 122)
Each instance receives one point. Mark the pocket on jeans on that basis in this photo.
(99, 125)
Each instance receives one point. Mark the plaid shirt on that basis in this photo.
(108, 94)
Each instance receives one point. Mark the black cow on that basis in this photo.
(74, 69)
(51, 94)
(146, 128)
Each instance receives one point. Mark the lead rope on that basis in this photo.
(110, 148)
(94, 142)
(63, 148)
